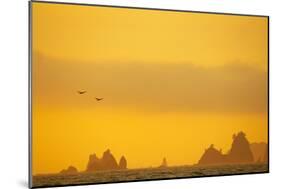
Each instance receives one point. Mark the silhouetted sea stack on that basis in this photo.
(70, 170)
(123, 163)
(212, 156)
(107, 162)
(94, 163)
(240, 152)
(164, 163)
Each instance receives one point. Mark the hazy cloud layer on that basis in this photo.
(153, 87)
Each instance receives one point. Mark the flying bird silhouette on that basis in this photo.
(98, 99)
(81, 92)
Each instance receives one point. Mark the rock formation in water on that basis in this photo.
(123, 163)
(212, 156)
(164, 163)
(94, 163)
(240, 152)
(259, 151)
(70, 170)
(107, 162)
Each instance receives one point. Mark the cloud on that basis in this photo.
(160, 87)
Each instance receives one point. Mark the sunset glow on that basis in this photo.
(172, 83)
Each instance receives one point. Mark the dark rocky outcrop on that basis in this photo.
(240, 152)
(212, 156)
(259, 151)
(164, 163)
(107, 162)
(94, 163)
(123, 163)
(70, 170)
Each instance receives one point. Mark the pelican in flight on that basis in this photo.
(98, 99)
(81, 92)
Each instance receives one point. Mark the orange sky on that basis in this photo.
(172, 82)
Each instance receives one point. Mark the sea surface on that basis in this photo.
(145, 174)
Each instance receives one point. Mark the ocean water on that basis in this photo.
(145, 174)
